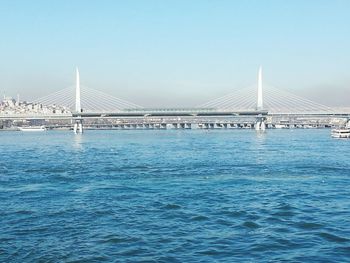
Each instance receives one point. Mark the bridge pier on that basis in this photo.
(78, 126)
(260, 124)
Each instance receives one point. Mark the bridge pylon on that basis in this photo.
(78, 121)
(260, 120)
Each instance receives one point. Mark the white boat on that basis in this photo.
(280, 126)
(33, 128)
(341, 133)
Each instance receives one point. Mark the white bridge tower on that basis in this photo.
(78, 125)
(260, 121)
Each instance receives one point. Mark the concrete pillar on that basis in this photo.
(260, 123)
(78, 126)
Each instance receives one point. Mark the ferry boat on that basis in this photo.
(32, 128)
(341, 133)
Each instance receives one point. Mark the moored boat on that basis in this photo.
(33, 128)
(341, 133)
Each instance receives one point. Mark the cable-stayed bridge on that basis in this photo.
(258, 101)
(276, 101)
(251, 99)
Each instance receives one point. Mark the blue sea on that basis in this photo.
(174, 196)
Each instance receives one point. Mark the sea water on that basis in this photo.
(174, 196)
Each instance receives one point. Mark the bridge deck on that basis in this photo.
(167, 113)
(180, 113)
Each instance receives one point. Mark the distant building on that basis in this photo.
(10, 106)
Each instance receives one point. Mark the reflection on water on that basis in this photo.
(259, 144)
(77, 141)
(261, 136)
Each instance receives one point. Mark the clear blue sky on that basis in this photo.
(173, 53)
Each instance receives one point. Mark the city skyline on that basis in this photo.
(178, 54)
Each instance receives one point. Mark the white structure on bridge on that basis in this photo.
(259, 105)
(77, 92)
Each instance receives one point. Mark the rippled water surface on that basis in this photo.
(174, 196)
